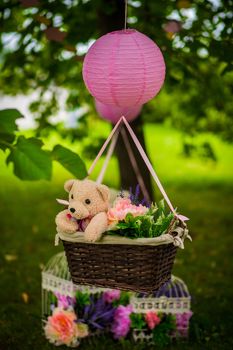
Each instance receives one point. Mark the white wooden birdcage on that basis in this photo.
(56, 279)
(173, 297)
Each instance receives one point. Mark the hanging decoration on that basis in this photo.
(124, 68)
(128, 233)
(113, 113)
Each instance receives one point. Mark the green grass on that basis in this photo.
(201, 189)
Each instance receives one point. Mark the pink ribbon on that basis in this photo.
(144, 157)
(108, 157)
(104, 146)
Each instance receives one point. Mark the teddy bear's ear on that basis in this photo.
(68, 185)
(103, 191)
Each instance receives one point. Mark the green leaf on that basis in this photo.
(123, 300)
(137, 321)
(6, 140)
(7, 120)
(82, 299)
(30, 162)
(162, 332)
(8, 126)
(146, 224)
(129, 218)
(70, 160)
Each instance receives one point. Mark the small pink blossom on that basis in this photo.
(111, 295)
(182, 323)
(122, 207)
(65, 301)
(62, 328)
(152, 319)
(121, 323)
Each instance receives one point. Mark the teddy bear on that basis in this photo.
(87, 209)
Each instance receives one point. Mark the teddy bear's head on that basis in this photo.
(86, 198)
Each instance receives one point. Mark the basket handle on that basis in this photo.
(144, 157)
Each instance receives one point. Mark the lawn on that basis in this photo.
(202, 190)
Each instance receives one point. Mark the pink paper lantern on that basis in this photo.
(124, 68)
(114, 113)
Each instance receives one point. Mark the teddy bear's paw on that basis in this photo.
(67, 227)
(64, 224)
(90, 238)
(92, 235)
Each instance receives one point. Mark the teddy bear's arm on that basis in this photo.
(64, 224)
(97, 226)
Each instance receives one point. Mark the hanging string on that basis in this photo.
(126, 8)
(104, 146)
(108, 157)
(135, 166)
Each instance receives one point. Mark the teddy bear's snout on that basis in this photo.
(78, 210)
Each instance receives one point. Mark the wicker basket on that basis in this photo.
(128, 267)
(123, 263)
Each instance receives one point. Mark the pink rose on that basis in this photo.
(122, 207)
(62, 328)
(152, 319)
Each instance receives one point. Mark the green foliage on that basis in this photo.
(198, 88)
(52, 299)
(137, 321)
(204, 150)
(82, 298)
(30, 161)
(8, 126)
(161, 333)
(70, 160)
(123, 300)
(152, 224)
(197, 105)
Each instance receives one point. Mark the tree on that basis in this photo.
(42, 48)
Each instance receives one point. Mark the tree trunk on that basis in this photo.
(110, 21)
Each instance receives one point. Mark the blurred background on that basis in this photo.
(187, 131)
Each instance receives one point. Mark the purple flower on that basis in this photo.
(121, 322)
(65, 301)
(98, 314)
(111, 295)
(182, 322)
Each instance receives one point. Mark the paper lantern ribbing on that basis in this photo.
(114, 113)
(124, 68)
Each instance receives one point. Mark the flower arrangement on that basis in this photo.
(108, 312)
(63, 328)
(132, 218)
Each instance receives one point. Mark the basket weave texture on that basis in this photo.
(139, 268)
